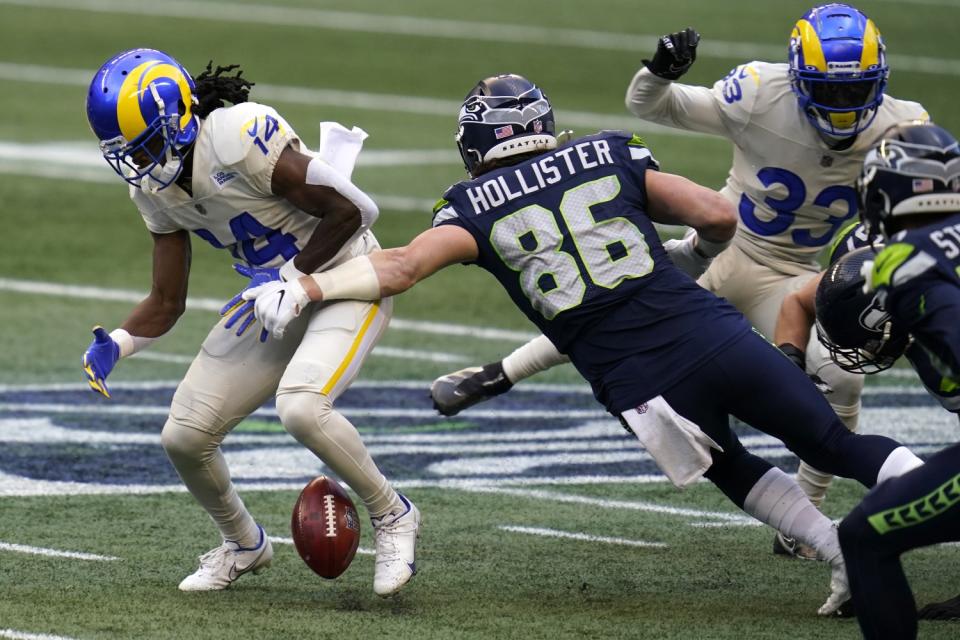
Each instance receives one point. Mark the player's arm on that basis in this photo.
(370, 277)
(315, 187)
(673, 199)
(653, 94)
(150, 319)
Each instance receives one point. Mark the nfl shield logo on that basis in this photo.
(503, 132)
(537, 126)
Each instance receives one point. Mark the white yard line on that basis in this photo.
(13, 634)
(631, 505)
(53, 553)
(60, 290)
(427, 27)
(568, 535)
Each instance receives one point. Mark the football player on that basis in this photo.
(240, 178)
(568, 231)
(910, 197)
(800, 131)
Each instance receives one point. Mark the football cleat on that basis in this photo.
(946, 610)
(790, 547)
(219, 567)
(396, 539)
(456, 391)
(838, 604)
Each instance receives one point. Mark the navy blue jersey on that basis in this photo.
(916, 276)
(567, 235)
(854, 236)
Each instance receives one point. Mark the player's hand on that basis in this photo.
(98, 360)
(685, 256)
(799, 358)
(240, 310)
(675, 54)
(277, 304)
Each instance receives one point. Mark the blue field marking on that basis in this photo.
(50, 435)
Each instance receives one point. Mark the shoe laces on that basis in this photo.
(215, 556)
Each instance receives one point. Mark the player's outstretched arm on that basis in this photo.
(371, 277)
(797, 313)
(653, 94)
(150, 319)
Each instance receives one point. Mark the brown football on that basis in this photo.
(326, 529)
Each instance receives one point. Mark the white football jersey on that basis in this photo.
(232, 206)
(793, 192)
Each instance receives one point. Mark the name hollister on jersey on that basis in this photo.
(534, 176)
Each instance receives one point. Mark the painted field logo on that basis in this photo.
(65, 439)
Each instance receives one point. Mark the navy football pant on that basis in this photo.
(917, 509)
(753, 381)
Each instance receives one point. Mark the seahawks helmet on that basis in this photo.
(503, 116)
(140, 106)
(838, 69)
(913, 170)
(859, 334)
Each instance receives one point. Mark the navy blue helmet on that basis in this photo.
(913, 170)
(859, 334)
(503, 116)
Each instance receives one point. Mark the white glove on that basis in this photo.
(685, 257)
(277, 304)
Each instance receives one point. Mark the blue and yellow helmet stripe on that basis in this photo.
(134, 98)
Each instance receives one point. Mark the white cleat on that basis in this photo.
(838, 602)
(219, 567)
(396, 537)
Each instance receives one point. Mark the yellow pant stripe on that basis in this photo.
(335, 378)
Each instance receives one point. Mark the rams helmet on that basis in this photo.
(140, 106)
(503, 116)
(914, 170)
(859, 334)
(838, 69)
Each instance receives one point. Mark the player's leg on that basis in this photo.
(917, 509)
(774, 396)
(753, 484)
(454, 392)
(338, 339)
(230, 378)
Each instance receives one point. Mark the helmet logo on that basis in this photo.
(473, 110)
(537, 126)
(874, 316)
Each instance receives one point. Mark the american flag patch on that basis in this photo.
(503, 132)
(922, 185)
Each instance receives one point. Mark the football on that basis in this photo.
(325, 526)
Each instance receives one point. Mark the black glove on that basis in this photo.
(675, 54)
(799, 358)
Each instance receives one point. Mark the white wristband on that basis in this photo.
(129, 344)
(355, 279)
(290, 272)
(710, 249)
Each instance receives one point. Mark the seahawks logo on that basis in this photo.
(473, 110)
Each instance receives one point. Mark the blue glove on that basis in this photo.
(241, 310)
(98, 360)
